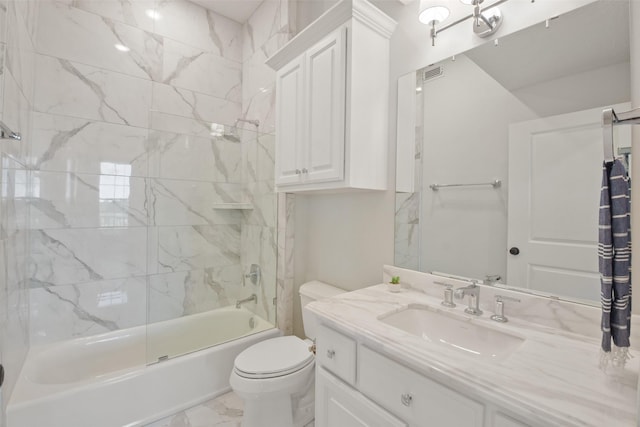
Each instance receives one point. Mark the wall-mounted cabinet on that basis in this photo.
(332, 96)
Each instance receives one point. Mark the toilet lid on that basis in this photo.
(273, 358)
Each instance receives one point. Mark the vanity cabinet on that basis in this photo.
(337, 404)
(357, 386)
(332, 96)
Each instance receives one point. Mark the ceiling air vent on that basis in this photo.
(432, 73)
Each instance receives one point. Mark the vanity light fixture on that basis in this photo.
(485, 21)
(432, 14)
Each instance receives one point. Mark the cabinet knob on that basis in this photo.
(331, 354)
(406, 399)
(514, 251)
(304, 170)
(298, 172)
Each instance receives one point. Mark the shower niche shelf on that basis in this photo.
(227, 206)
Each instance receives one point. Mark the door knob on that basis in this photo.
(406, 399)
(514, 251)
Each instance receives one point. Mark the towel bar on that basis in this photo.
(495, 184)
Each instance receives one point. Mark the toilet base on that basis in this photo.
(280, 409)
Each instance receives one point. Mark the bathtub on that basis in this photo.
(105, 381)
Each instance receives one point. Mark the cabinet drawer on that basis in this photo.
(412, 397)
(337, 353)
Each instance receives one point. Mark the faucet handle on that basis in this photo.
(448, 298)
(448, 294)
(499, 311)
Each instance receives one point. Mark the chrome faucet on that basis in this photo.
(254, 274)
(253, 298)
(473, 291)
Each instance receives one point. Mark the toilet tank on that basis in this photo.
(313, 291)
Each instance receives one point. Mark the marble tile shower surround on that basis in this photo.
(266, 31)
(17, 23)
(563, 316)
(407, 230)
(146, 116)
(407, 213)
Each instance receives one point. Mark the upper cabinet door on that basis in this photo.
(326, 96)
(290, 122)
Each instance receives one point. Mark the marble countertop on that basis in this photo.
(551, 379)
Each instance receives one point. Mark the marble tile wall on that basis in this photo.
(266, 31)
(17, 23)
(127, 166)
(408, 206)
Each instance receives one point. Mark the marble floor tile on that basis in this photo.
(224, 411)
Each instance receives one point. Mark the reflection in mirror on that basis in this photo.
(527, 113)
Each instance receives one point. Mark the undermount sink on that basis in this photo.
(459, 334)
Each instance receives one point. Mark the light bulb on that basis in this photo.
(432, 14)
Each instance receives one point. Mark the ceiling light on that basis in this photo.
(486, 21)
(121, 47)
(433, 14)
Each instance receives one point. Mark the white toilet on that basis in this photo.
(275, 378)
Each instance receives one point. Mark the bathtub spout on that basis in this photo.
(253, 298)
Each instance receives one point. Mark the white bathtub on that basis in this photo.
(103, 380)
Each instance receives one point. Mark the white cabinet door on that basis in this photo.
(290, 123)
(325, 131)
(338, 405)
(555, 169)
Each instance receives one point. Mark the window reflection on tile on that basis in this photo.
(17, 186)
(112, 298)
(114, 194)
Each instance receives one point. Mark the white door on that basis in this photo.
(338, 405)
(326, 97)
(290, 122)
(555, 172)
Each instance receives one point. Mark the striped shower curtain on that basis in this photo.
(614, 253)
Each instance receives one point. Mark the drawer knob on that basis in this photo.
(406, 399)
(298, 171)
(304, 170)
(331, 353)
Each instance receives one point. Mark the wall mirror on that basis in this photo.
(500, 152)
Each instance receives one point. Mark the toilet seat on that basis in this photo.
(274, 357)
